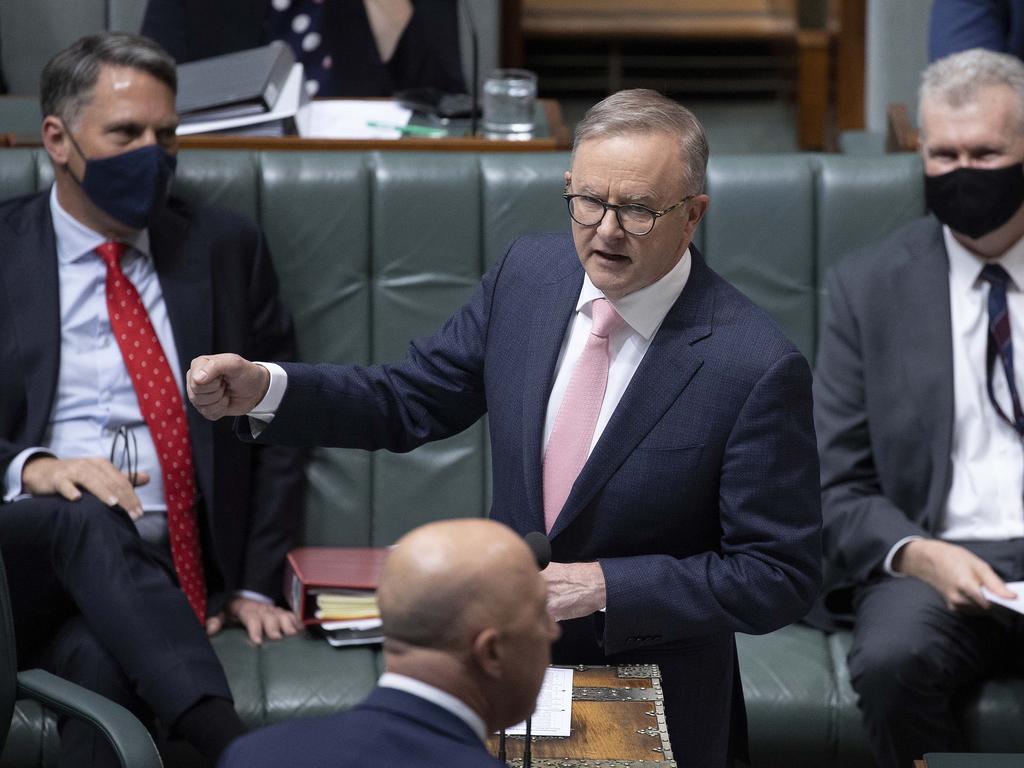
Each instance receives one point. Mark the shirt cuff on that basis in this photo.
(257, 596)
(261, 416)
(887, 565)
(12, 478)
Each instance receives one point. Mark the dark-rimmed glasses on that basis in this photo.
(635, 219)
(124, 453)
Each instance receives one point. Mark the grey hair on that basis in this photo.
(956, 79)
(68, 78)
(641, 110)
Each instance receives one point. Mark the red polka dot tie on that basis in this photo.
(164, 412)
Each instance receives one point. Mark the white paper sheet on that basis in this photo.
(347, 119)
(1014, 605)
(553, 715)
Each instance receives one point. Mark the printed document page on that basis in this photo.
(554, 706)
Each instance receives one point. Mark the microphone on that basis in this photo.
(474, 87)
(541, 548)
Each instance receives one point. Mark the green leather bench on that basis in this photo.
(373, 249)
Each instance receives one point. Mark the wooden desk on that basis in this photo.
(558, 139)
(23, 131)
(616, 721)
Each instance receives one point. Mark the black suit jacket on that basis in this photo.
(883, 403)
(390, 729)
(427, 53)
(221, 294)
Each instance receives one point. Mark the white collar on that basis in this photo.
(645, 309)
(435, 695)
(76, 241)
(965, 267)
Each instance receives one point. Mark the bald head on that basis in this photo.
(445, 581)
(465, 609)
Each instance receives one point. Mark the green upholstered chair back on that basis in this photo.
(373, 249)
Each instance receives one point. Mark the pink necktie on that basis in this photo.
(164, 414)
(574, 426)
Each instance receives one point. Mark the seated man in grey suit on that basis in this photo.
(467, 636)
(918, 413)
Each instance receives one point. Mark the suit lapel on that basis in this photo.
(666, 369)
(185, 282)
(30, 270)
(924, 330)
(553, 309)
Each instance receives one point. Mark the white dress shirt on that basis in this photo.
(987, 456)
(643, 311)
(434, 695)
(985, 499)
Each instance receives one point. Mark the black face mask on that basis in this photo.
(131, 187)
(975, 201)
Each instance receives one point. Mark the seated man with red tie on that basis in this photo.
(114, 493)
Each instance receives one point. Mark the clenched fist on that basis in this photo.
(225, 385)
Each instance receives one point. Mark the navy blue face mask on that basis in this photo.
(131, 187)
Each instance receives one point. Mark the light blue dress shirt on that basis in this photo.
(95, 396)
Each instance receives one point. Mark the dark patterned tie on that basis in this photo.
(1000, 345)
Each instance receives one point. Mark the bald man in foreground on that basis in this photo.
(467, 635)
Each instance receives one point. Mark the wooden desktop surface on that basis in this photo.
(19, 126)
(557, 140)
(602, 730)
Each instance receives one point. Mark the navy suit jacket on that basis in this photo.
(957, 25)
(700, 499)
(221, 294)
(390, 729)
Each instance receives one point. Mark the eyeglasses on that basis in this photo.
(124, 453)
(635, 219)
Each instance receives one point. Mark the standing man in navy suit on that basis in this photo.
(467, 635)
(644, 413)
(92, 512)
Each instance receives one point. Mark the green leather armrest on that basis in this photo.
(131, 741)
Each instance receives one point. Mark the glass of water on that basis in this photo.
(509, 98)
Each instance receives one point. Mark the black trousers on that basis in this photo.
(911, 656)
(97, 605)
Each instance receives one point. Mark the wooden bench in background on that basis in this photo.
(617, 22)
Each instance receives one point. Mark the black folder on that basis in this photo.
(233, 85)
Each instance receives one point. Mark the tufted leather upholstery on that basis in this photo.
(375, 248)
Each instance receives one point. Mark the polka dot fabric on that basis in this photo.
(298, 23)
(164, 412)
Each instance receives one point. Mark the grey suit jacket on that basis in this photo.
(883, 402)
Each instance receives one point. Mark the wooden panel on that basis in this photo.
(850, 57)
(692, 19)
(602, 730)
(812, 89)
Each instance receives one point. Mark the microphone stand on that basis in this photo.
(501, 746)
(527, 750)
